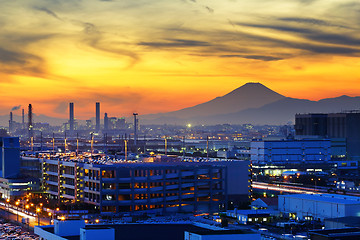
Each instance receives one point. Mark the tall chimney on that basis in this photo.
(11, 123)
(106, 122)
(23, 118)
(97, 127)
(71, 117)
(30, 121)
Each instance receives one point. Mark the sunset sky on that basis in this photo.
(154, 56)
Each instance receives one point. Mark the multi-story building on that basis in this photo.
(151, 187)
(333, 125)
(13, 183)
(284, 152)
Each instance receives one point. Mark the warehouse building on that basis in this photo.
(319, 206)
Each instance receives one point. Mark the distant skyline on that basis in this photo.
(164, 55)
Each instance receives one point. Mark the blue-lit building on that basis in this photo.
(9, 157)
(12, 183)
(282, 152)
(319, 206)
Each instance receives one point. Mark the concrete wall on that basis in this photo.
(68, 228)
(237, 177)
(96, 234)
(46, 235)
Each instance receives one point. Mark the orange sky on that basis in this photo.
(163, 55)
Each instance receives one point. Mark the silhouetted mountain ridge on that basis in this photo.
(251, 103)
(277, 112)
(250, 95)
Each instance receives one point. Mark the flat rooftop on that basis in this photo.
(343, 232)
(330, 198)
(160, 231)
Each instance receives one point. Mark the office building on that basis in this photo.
(148, 187)
(12, 183)
(282, 152)
(9, 157)
(333, 125)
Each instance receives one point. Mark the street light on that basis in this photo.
(17, 211)
(50, 217)
(38, 210)
(7, 206)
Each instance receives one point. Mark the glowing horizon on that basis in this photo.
(159, 56)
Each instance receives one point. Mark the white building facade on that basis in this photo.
(319, 206)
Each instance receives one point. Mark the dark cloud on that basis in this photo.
(324, 42)
(90, 28)
(210, 10)
(340, 39)
(175, 43)
(10, 57)
(313, 21)
(321, 49)
(278, 28)
(47, 11)
(20, 62)
(255, 57)
(307, 1)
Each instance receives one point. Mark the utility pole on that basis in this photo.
(53, 142)
(184, 148)
(41, 138)
(125, 143)
(207, 148)
(65, 147)
(77, 144)
(92, 143)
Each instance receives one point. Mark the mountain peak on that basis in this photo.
(254, 89)
(250, 95)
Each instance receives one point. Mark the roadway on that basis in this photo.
(16, 215)
(278, 187)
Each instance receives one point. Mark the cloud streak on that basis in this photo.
(169, 45)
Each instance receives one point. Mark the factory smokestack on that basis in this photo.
(106, 122)
(71, 117)
(23, 118)
(97, 127)
(11, 123)
(30, 121)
